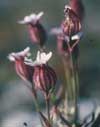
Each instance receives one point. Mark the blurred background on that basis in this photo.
(16, 105)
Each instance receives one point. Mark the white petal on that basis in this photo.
(39, 15)
(45, 57)
(48, 56)
(77, 36)
(27, 19)
(27, 49)
(67, 7)
(42, 58)
(28, 60)
(25, 52)
(29, 63)
(22, 22)
(11, 57)
(38, 56)
(33, 17)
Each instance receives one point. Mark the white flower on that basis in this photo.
(42, 58)
(32, 18)
(23, 53)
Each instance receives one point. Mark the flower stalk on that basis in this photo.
(47, 99)
(61, 107)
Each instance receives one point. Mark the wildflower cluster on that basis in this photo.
(61, 111)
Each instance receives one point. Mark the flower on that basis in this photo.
(23, 70)
(44, 76)
(71, 25)
(41, 58)
(69, 33)
(36, 30)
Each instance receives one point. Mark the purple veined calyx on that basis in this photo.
(44, 76)
(23, 70)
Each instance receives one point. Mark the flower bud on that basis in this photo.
(71, 25)
(44, 78)
(36, 30)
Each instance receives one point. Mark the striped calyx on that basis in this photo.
(71, 25)
(44, 78)
(24, 70)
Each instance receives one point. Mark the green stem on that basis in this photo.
(48, 106)
(68, 94)
(67, 76)
(75, 84)
(72, 82)
(36, 103)
(35, 99)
